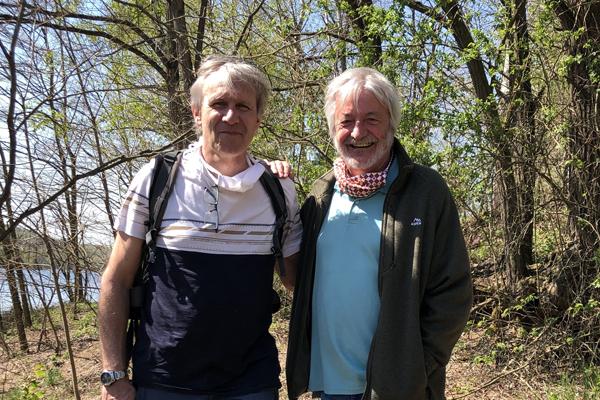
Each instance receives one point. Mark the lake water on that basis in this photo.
(42, 291)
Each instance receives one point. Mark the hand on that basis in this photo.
(282, 169)
(120, 390)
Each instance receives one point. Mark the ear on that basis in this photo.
(196, 114)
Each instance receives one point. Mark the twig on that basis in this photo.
(489, 383)
(533, 391)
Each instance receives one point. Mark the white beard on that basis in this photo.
(379, 153)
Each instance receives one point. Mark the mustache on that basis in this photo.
(226, 128)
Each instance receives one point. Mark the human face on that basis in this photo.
(229, 119)
(363, 137)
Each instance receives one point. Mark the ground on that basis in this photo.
(45, 375)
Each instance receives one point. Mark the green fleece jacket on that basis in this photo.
(424, 287)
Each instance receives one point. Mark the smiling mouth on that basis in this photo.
(361, 145)
(230, 132)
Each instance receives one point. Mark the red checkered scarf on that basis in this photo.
(360, 185)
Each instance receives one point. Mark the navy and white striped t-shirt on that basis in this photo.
(207, 308)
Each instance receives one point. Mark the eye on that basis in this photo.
(372, 121)
(218, 104)
(243, 107)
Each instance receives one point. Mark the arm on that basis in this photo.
(292, 235)
(113, 311)
(291, 262)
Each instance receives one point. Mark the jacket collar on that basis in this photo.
(403, 158)
(406, 167)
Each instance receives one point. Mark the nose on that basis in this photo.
(358, 131)
(230, 116)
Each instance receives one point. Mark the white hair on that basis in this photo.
(237, 71)
(351, 83)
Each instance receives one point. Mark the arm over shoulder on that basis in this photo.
(292, 234)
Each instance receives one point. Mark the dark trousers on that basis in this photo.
(144, 393)
(325, 396)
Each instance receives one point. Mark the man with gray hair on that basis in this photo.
(203, 333)
(383, 290)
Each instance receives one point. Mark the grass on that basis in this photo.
(43, 379)
(582, 385)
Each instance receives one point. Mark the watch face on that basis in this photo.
(106, 378)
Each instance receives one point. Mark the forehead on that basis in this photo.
(220, 84)
(360, 101)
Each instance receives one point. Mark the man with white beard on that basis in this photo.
(383, 290)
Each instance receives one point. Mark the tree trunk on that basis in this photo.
(16, 303)
(179, 63)
(369, 44)
(4, 344)
(515, 245)
(519, 110)
(516, 172)
(178, 30)
(24, 294)
(73, 231)
(66, 328)
(41, 292)
(9, 49)
(583, 185)
(15, 255)
(56, 281)
(200, 33)
(45, 307)
(9, 268)
(68, 170)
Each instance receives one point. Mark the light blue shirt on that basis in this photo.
(345, 303)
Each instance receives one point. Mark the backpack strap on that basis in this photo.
(165, 172)
(275, 192)
(161, 185)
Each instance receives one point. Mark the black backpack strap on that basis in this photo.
(275, 192)
(163, 179)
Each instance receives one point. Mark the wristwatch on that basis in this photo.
(108, 377)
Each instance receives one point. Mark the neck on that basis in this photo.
(226, 165)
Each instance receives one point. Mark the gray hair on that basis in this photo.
(238, 71)
(351, 82)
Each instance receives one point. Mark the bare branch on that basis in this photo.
(246, 26)
(131, 48)
(9, 173)
(103, 167)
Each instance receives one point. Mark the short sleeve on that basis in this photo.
(134, 209)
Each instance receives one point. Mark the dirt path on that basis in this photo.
(466, 379)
